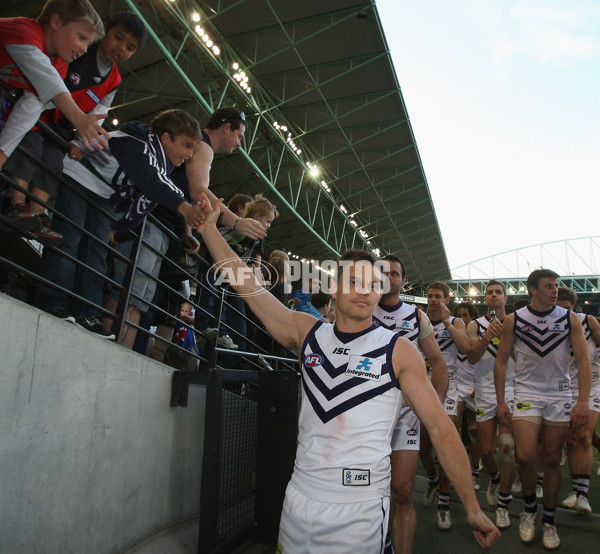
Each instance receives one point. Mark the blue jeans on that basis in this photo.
(64, 272)
(210, 300)
(149, 261)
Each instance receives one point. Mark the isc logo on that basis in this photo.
(411, 441)
(356, 477)
(342, 351)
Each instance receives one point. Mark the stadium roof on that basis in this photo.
(329, 139)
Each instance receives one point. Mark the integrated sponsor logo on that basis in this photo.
(523, 405)
(367, 368)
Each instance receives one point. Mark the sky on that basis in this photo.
(504, 101)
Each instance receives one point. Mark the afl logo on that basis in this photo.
(411, 433)
(75, 78)
(313, 360)
(567, 406)
(597, 400)
(450, 402)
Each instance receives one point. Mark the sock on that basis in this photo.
(495, 477)
(475, 471)
(530, 503)
(504, 499)
(540, 478)
(581, 484)
(434, 479)
(548, 515)
(443, 502)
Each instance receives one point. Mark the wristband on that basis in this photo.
(236, 223)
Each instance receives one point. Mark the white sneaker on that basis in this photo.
(550, 539)
(527, 526)
(476, 485)
(502, 518)
(430, 495)
(226, 342)
(583, 506)
(539, 491)
(570, 501)
(492, 493)
(444, 520)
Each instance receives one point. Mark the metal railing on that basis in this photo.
(21, 260)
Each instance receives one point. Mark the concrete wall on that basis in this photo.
(92, 457)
